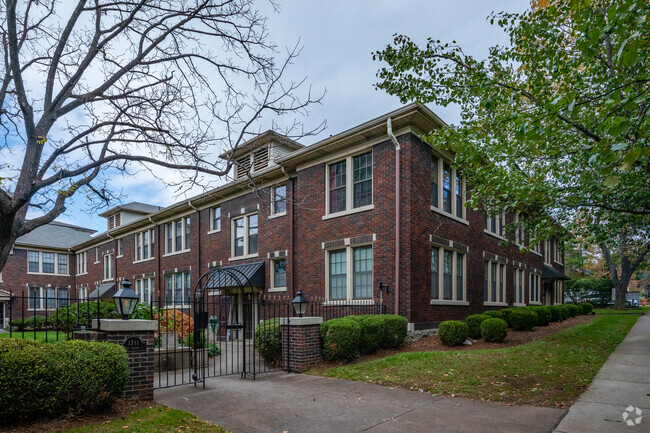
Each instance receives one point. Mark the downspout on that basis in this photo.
(290, 289)
(158, 278)
(389, 126)
(198, 238)
(114, 260)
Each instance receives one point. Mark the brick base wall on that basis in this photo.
(301, 343)
(140, 363)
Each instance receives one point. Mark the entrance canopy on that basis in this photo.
(550, 273)
(236, 275)
(4, 296)
(103, 291)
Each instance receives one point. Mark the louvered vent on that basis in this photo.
(111, 222)
(118, 219)
(260, 159)
(243, 165)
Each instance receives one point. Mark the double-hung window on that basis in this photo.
(144, 245)
(547, 251)
(557, 251)
(447, 189)
(108, 266)
(349, 184)
(120, 247)
(49, 298)
(447, 275)
(534, 288)
(279, 274)
(177, 290)
(82, 263)
(177, 235)
(519, 283)
(215, 219)
(144, 287)
(47, 263)
(350, 273)
(495, 224)
(494, 282)
(279, 202)
(558, 292)
(244, 235)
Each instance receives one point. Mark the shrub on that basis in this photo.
(395, 328)
(268, 341)
(474, 324)
(494, 330)
(493, 313)
(340, 339)
(556, 314)
(522, 319)
(573, 309)
(543, 315)
(587, 308)
(188, 341)
(506, 315)
(82, 314)
(67, 377)
(213, 350)
(372, 332)
(175, 321)
(564, 312)
(33, 323)
(453, 332)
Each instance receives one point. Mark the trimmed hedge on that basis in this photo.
(587, 308)
(395, 328)
(453, 332)
(372, 332)
(494, 313)
(33, 323)
(573, 309)
(522, 319)
(506, 315)
(564, 312)
(51, 379)
(82, 313)
(556, 314)
(474, 324)
(544, 315)
(268, 341)
(494, 330)
(340, 339)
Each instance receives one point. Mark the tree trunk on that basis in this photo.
(621, 294)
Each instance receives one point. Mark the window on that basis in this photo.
(495, 224)
(494, 283)
(558, 251)
(145, 289)
(448, 186)
(350, 273)
(558, 292)
(144, 245)
(341, 198)
(96, 254)
(47, 263)
(452, 277)
(279, 274)
(547, 251)
(519, 230)
(83, 294)
(534, 288)
(537, 248)
(279, 204)
(120, 247)
(108, 266)
(50, 298)
(215, 218)
(244, 236)
(177, 289)
(82, 263)
(519, 286)
(177, 236)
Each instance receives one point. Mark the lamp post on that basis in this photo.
(300, 303)
(126, 300)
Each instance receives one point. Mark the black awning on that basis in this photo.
(550, 273)
(103, 291)
(231, 276)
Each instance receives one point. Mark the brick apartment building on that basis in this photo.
(321, 218)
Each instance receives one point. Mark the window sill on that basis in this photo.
(558, 303)
(82, 273)
(494, 235)
(211, 232)
(559, 263)
(248, 256)
(106, 280)
(495, 304)
(536, 253)
(277, 289)
(96, 263)
(119, 257)
(448, 302)
(176, 307)
(49, 274)
(144, 260)
(277, 215)
(534, 303)
(346, 302)
(518, 304)
(175, 253)
(349, 212)
(448, 215)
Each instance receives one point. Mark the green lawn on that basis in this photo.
(157, 419)
(40, 336)
(552, 371)
(633, 310)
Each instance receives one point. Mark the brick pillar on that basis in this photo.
(301, 342)
(139, 334)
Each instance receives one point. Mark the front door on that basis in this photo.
(547, 295)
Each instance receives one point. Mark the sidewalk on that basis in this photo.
(623, 381)
(279, 402)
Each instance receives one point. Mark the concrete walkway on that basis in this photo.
(278, 402)
(623, 381)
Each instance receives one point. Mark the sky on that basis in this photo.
(337, 39)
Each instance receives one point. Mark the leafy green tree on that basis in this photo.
(555, 124)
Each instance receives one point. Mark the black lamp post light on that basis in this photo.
(300, 303)
(126, 300)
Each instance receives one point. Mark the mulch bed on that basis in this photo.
(515, 338)
(121, 409)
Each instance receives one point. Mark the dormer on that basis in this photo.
(259, 153)
(124, 214)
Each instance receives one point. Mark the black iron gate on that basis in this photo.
(219, 338)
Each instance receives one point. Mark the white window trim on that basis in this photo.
(547, 251)
(349, 276)
(118, 248)
(452, 190)
(246, 228)
(349, 185)
(517, 273)
(185, 248)
(77, 263)
(151, 235)
(530, 289)
(96, 255)
(498, 218)
(186, 302)
(40, 264)
(41, 298)
(110, 258)
(275, 214)
(557, 256)
(211, 213)
(152, 283)
(501, 278)
(273, 288)
(454, 282)
(494, 235)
